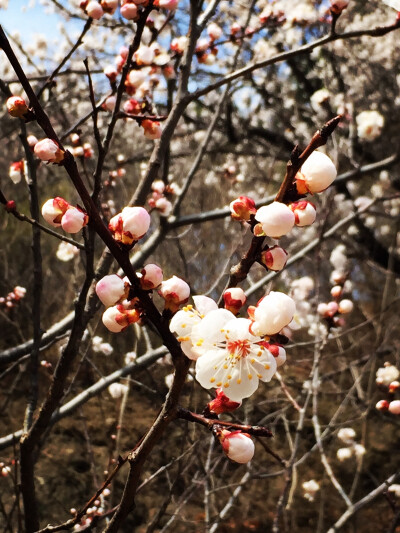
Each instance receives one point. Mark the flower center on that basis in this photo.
(240, 348)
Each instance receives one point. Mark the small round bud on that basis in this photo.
(382, 405)
(152, 276)
(304, 212)
(74, 219)
(94, 10)
(234, 299)
(16, 106)
(237, 446)
(117, 318)
(48, 150)
(275, 219)
(53, 210)
(337, 6)
(336, 291)
(317, 173)
(274, 258)
(152, 129)
(112, 289)
(345, 306)
(242, 208)
(394, 386)
(394, 407)
(175, 292)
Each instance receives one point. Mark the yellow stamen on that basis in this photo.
(250, 376)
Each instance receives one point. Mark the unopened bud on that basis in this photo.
(74, 219)
(237, 446)
(274, 258)
(304, 212)
(152, 276)
(175, 292)
(234, 299)
(112, 289)
(337, 6)
(317, 173)
(152, 129)
(275, 220)
(242, 208)
(94, 10)
(394, 386)
(336, 291)
(394, 407)
(16, 106)
(345, 306)
(54, 209)
(129, 11)
(382, 405)
(117, 318)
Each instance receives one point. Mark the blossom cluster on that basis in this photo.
(387, 379)
(12, 297)
(352, 448)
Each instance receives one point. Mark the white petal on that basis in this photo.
(209, 329)
(204, 304)
(238, 329)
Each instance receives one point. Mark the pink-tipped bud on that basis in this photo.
(222, 404)
(163, 206)
(234, 299)
(277, 351)
(235, 28)
(275, 220)
(152, 277)
(345, 306)
(94, 10)
(317, 173)
(304, 212)
(109, 104)
(394, 386)
(16, 171)
(175, 292)
(109, 6)
(337, 6)
(118, 318)
(130, 225)
(179, 44)
(382, 405)
(74, 219)
(274, 258)
(214, 31)
(132, 107)
(112, 289)
(111, 73)
(242, 208)
(129, 11)
(10, 206)
(48, 150)
(167, 4)
(237, 446)
(53, 210)
(394, 407)
(152, 129)
(328, 310)
(336, 291)
(16, 106)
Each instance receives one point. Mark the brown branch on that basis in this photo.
(211, 423)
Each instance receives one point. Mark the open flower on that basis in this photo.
(230, 356)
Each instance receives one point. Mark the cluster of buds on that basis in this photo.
(58, 212)
(99, 346)
(13, 297)
(117, 390)
(338, 306)
(237, 446)
(130, 225)
(79, 149)
(387, 379)
(48, 150)
(272, 15)
(97, 509)
(310, 488)
(161, 196)
(352, 449)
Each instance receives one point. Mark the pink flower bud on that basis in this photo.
(277, 351)
(178, 44)
(130, 225)
(16, 106)
(135, 78)
(304, 212)
(242, 208)
(167, 4)
(94, 10)
(222, 404)
(152, 129)
(53, 210)
(129, 11)
(394, 407)
(111, 73)
(158, 186)
(74, 219)
(393, 387)
(32, 140)
(327, 310)
(234, 299)
(132, 107)
(214, 31)
(112, 289)
(109, 6)
(16, 171)
(317, 173)
(235, 28)
(336, 291)
(152, 276)
(48, 150)
(163, 206)
(237, 446)
(274, 258)
(345, 306)
(275, 219)
(110, 102)
(175, 292)
(337, 6)
(273, 312)
(87, 151)
(144, 55)
(118, 318)
(382, 405)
